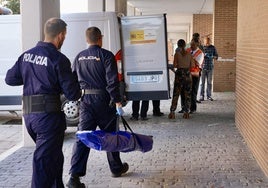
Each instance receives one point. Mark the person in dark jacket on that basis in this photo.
(45, 73)
(97, 74)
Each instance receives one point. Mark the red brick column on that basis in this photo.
(203, 24)
(225, 38)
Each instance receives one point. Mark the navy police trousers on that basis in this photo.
(94, 111)
(47, 131)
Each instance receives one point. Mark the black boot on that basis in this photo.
(124, 169)
(74, 182)
(157, 112)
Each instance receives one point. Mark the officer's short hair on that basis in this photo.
(196, 35)
(54, 26)
(93, 34)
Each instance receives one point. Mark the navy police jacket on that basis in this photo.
(44, 70)
(96, 69)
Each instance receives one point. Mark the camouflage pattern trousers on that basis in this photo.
(182, 85)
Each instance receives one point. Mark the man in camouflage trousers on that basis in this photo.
(183, 61)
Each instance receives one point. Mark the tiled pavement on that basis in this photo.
(206, 151)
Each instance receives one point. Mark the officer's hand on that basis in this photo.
(119, 109)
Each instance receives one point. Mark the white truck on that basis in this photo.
(10, 49)
(141, 39)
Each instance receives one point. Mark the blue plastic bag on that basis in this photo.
(122, 141)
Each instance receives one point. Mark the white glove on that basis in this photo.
(119, 109)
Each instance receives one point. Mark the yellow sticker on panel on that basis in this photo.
(142, 36)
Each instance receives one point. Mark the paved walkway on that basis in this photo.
(206, 151)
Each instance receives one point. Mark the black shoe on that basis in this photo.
(209, 98)
(198, 101)
(74, 182)
(192, 111)
(144, 118)
(181, 111)
(124, 169)
(158, 114)
(134, 118)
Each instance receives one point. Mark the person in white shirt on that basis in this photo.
(198, 56)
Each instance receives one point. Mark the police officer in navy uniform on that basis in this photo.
(45, 73)
(97, 74)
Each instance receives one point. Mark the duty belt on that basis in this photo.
(94, 92)
(41, 103)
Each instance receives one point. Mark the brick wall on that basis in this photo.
(251, 80)
(224, 76)
(170, 52)
(225, 27)
(203, 24)
(225, 38)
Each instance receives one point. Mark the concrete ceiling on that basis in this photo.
(179, 13)
(174, 6)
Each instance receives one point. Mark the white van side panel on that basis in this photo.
(10, 48)
(77, 23)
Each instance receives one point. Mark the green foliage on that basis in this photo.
(14, 5)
